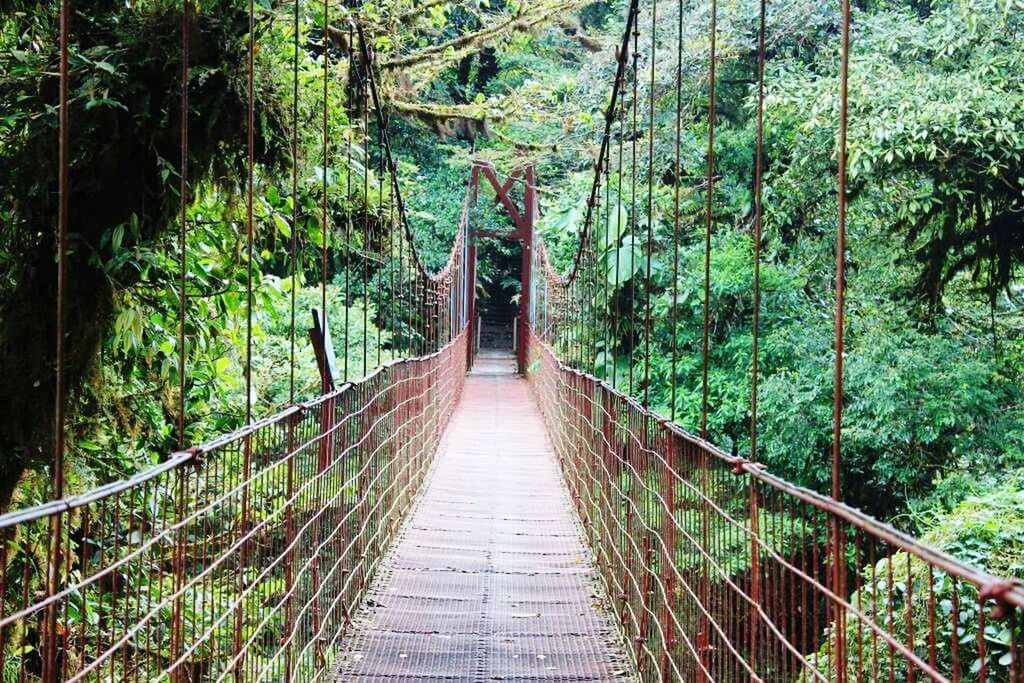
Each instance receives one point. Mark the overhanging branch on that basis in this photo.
(520, 23)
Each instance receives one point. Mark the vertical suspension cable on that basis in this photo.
(60, 401)
(596, 334)
(588, 260)
(594, 284)
(183, 192)
(755, 552)
(616, 317)
(603, 267)
(391, 276)
(678, 172)
(632, 208)
(249, 229)
(840, 303)
(420, 301)
(401, 287)
(183, 195)
(574, 324)
(708, 220)
(350, 98)
(293, 242)
(648, 276)
(595, 252)
(250, 239)
(364, 103)
(380, 220)
(323, 195)
(838, 574)
(705, 533)
(293, 257)
(758, 210)
(587, 308)
(583, 302)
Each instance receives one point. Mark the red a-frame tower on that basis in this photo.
(523, 221)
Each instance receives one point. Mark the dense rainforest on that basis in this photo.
(933, 360)
(934, 390)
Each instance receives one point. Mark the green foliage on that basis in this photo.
(124, 122)
(935, 352)
(936, 109)
(986, 532)
(123, 357)
(933, 357)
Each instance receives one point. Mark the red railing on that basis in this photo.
(721, 571)
(243, 558)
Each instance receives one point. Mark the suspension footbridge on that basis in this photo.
(453, 514)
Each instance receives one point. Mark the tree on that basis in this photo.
(124, 142)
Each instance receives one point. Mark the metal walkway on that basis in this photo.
(489, 579)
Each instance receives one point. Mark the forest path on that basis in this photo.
(489, 578)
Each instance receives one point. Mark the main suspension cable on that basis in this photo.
(392, 167)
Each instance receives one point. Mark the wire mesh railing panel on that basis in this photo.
(241, 559)
(720, 571)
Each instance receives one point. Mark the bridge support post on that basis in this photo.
(668, 535)
(289, 567)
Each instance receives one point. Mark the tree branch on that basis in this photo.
(513, 24)
(445, 111)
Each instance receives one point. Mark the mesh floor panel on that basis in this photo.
(489, 579)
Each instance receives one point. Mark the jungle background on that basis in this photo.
(933, 431)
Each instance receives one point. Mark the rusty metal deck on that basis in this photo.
(489, 579)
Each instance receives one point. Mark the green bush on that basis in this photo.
(985, 531)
